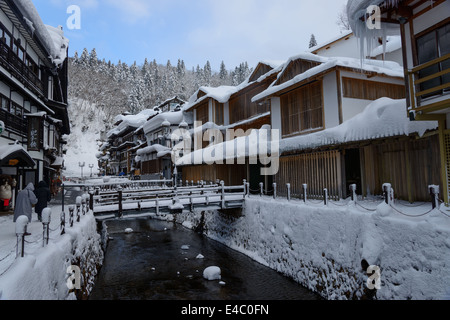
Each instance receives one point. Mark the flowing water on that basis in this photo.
(158, 261)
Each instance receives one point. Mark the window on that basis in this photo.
(302, 109)
(218, 114)
(4, 102)
(5, 36)
(32, 65)
(431, 46)
(371, 90)
(203, 113)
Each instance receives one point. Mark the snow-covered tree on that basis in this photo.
(312, 41)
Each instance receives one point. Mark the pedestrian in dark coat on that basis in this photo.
(43, 195)
(24, 203)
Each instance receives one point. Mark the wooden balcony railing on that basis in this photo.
(418, 94)
(11, 62)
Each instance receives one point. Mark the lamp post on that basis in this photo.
(91, 166)
(81, 165)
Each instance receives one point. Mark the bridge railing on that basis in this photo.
(164, 197)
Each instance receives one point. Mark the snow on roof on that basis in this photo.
(223, 93)
(381, 119)
(330, 41)
(393, 43)
(388, 68)
(130, 121)
(52, 38)
(175, 118)
(356, 9)
(156, 148)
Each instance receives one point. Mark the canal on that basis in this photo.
(160, 260)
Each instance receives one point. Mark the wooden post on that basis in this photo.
(387, 192)
(91, 201)
(222, 184)
(261, 187)
(120, 196)
(71, 210)
(434, 193)
(274, 190)
(157, 205)
(353, 190)
(305, 189)
(325, 196)
(63, 214)
(288, 186)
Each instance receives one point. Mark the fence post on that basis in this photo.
(79, 202)
(387, 192)
(63, 214)
(245, 187)
(46, 219)
(157, 205)
(71, 209)
(120, 195)
(353, 191)
(274, 185)
(305, 189)
(434, 193)
(83, 205)
(222, 184)
(288, 186)
(261, 188)
(91, 201)
(21, 230)
(325, 196)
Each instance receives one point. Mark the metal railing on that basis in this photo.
(416, 81)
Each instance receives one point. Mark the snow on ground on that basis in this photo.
(41, 274)
(323, 247)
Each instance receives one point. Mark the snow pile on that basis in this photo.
(52, 38)
(381, 119)
(212, 273)
(323, 247)
(42, 273)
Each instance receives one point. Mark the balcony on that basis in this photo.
(11, 62)
(429, 87)
(16, 125)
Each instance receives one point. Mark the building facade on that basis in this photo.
(33, 95)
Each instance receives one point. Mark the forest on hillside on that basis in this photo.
(116, 88)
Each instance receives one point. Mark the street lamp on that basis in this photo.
(91, 166)
(81, 165)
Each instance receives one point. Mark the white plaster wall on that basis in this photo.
(331, 104)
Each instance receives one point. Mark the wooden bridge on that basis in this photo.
(118, 200)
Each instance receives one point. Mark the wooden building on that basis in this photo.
(230, 111)
(425, 31)
(33, 94)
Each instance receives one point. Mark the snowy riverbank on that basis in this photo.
(41, 274)
(323, 247)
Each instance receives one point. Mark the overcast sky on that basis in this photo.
(195, 30)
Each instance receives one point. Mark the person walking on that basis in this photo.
(43, 195)
(25, 201)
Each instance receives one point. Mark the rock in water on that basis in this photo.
(212, 273)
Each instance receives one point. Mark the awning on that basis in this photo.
(58, 163)
(15, 156)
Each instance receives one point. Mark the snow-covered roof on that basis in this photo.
(223, 93)
(156, 148)
(174, 118)
(393, 43)
(357, 9)
(52, 38)
(381, 119)
(130, 121)
(330, 41)
(388, 68)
